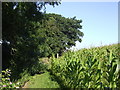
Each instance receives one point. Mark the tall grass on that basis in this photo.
(89, 68)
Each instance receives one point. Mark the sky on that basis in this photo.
(100, 21)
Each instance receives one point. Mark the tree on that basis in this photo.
(33, 34)
(59, 33)
(18, 29)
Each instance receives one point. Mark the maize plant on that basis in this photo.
(89, 68)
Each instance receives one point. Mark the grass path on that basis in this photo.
(41, 81)
(26, 85)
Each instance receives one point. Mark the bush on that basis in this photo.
(6, 82)
(37, 68)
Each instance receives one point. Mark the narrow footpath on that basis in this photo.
(41, 81)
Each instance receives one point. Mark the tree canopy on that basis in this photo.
(59, 33)
(18, 31)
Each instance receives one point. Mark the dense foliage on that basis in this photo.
(57, 33)
(29, 34)
(20, 46)
(6, 82)
(89, 68)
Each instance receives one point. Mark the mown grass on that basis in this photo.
(42, 81)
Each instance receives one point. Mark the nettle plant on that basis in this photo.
(5, 81)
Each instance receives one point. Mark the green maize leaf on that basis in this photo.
(94, 64)
(118, 66)
(105, 75)
(97, 77)
(112, 73)
(110, 57)
(100, 65)
(114, 68)
(105, 82)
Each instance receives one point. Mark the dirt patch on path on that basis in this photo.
(25, 85)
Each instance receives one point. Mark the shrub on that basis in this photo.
(6, 82)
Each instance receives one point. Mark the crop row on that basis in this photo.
(89, 68)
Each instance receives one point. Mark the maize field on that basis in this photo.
(97, 67)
